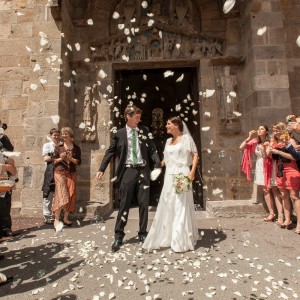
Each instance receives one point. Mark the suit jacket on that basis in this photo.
(119, 147)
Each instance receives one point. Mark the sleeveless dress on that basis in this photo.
(174, 224)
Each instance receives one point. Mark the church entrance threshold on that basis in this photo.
(161, 93)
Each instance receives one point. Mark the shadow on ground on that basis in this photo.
(35, 267)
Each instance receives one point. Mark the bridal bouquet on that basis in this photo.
(182, 183)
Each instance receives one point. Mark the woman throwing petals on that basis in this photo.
(66, 157)
(264, 169)
(174, 224)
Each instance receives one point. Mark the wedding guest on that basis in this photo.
(174, 224)
(49, 184)
(136, 152)
(296, 155)
(288, 175)
(7, 168)
(264, 170)
(6, 145)
(66, 157)
(294, 123)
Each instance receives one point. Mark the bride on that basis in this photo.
(174, 224)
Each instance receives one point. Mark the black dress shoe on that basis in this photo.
(116, 245)
(142, 238)
(8, 233)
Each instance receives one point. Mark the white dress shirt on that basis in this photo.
(48, 148)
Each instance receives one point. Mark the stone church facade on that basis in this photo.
(78, 63)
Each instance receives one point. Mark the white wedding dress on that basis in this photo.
(174, 224)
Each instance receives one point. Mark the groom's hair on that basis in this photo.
(131, 110)
(178, 122)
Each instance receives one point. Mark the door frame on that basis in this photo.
(174, 64)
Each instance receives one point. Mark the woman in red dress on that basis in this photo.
(288, 175)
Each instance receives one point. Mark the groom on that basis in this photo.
(136, 151)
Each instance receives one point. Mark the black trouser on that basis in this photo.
(7, 208)
(135, 182)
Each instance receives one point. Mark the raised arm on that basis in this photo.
(250, 137)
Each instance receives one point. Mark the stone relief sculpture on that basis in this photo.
(181, 11)
(228, 100)
(174, 35)
(89, 119)
(174, 21)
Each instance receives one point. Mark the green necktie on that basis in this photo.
(134, 154)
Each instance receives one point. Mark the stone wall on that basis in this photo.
(291, 22)
(26, 111)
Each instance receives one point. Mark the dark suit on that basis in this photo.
(134, 182)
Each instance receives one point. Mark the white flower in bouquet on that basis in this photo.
(182, 183)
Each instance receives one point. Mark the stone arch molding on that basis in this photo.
(165, 29)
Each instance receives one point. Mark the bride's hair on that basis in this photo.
(177, 121)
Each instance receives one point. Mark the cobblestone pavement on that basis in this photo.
(241, 258)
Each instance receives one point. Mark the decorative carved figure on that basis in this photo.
(228, 100)
(90, 102)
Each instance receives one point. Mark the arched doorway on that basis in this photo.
(161, 93)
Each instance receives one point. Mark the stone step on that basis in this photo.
(234, 208)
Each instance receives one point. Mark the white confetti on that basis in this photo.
(217, 191)
(81, 125)
(116, 15)
(178, 107)
(87, 60)
(168, 73)
(37, 67)
(144, 4)
(205, 128)
(125, 57)
(90, 22)
(150, 22)
(77, 46)
(43, 81)
(232, 94)
(121, 26)
(109, 88)
(236, 113)
(102, 74)
(261, 31)
(33, 86)
(298, 41)
(228, 6)
(179, 79)
(207, 114)
(55, 119)
(28, 49)
(67, 84)
(209, 93)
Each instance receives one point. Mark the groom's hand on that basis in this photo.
(99, 175)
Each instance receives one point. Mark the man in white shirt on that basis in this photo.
(48, 184)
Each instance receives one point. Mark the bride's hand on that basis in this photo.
(191, 176)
